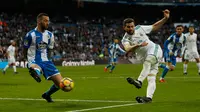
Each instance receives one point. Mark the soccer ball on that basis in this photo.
(67, 84)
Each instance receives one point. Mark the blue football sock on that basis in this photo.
(108, 66)
(52, 90)
(165, 72)
(113, 67)
(162, 66)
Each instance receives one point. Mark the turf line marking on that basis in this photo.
(184, 77)
(70, 100)
(105, 107)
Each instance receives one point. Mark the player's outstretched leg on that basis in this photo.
(106, 68)
(136, 83)
(4, 70)
(47, 95)
(151, 86)
(35, 73)
(144, 73)
(56, 78)
(162, 65)
(164, 73)
(112, 68)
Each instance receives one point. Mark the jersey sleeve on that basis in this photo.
(27, 40)
(52, 41)
(120, 49)
(9, 48)
(125, 41)
(146, 28)
(166, 43)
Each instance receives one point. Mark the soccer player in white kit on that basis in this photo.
(191, 50)
(136, 39)
(11, 53)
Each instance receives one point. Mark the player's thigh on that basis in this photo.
(113, 61)
(195, 55)
(187, 55)
(11, 61)
(49, 70)
(154, 69)
(154, 55)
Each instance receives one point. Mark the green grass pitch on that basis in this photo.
(97, 91)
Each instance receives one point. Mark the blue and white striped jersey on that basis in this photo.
(175, 44)
(38, 44)
(114, 50)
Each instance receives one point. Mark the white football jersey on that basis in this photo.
(191, 41)
(11, 51)
(138, 38)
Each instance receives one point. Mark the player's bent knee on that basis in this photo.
(56, 79)
(172, 68)
(151, 78)
(34, 66)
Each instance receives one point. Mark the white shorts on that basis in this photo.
(154, 56)
(190, 55)
(11, 60)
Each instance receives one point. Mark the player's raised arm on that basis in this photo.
(166, 44)
(159, 23)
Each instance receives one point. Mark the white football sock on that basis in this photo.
(145, 71)
(5, 67)
(185, 68)
(198, 66)
(151, 86)
(14, 67)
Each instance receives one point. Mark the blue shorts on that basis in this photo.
(170, 59)
(113, 60)
(48, 68)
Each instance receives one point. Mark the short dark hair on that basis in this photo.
(179, 26)
(128, 20)
(191, 26)
(40, 15)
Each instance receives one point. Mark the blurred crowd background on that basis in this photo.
(84, 29)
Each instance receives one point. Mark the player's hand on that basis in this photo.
(144, 44)
(171, 53)
(166, 13)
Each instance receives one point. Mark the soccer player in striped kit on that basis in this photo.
(38, 43)
(114, 50)
(174, 47)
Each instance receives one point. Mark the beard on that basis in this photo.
(43, 27)
(130, 32)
